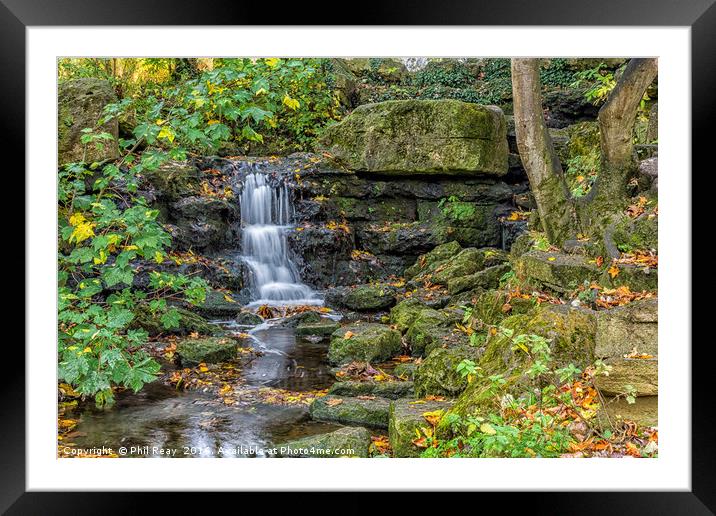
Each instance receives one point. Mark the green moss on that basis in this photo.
(429, 261)
(352, 411)
(210, 350)
(404, 314)
(437, 373)
(367, 342)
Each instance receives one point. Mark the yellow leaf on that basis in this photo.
(348, 335)
(83, 229)
(212, 122)
(291, 103)
(486, 428)
(613, 271)
(158, 257)
(272, 61)
(101, 259)
(226, 296)
(166, 133)
(87, 350)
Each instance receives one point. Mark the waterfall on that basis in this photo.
(266, 213)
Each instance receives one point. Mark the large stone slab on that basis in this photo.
(557, 271)
(405, 137)
(437, 374)
(629, 328)
(640, 373)
(406, 419)
(208, 350)
(644, 412)
(344, 442)
(351, 411)
(366, 342)
(391, 390)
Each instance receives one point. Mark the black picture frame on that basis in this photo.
(700, 15)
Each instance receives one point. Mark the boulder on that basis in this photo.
(626, 329)
(405, 370)
(210, 350)
(363, 298)
(322, 328)
(556, 271)
(467, 261)
(189, 322)
(80, 105)
(248, 319)
(350, 441)
(437, 374)
(390, 389)
(351, 411)
(649, 171)
(640, 373)
(295, 320)
(216, 304)
(173, 180)
(385, 69)
(429, 261)
(637, 278)
(644, 412)
(431, 328)
(200, 222)
(361, 341)
(406, 137)
(403, 315)
(486, 279)
(406, 420)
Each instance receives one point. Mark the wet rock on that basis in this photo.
(556, 271)
(405, 370)
(429, 261)
(351, 411)
(200, 222)
(366, 342)
(486, 279)
(626, 329)
(322, 328)
(173, 180)
(350, 441)
(390, 389)
(189, 322)
(319, 251)
(431, 329)
(403, 314)
(437, 373)
(640, 373)
(248, 319)
(405, 419)
(216, 304)
(80, 105)
(362, 298)
(407, 137)
(295, 320)
(210, 350)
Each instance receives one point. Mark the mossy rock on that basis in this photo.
(405, 370)
(350, 441)
(456, 213)
(555, 271)
(367, 342)
(210, 350)
(403, 314)
(628, 328)
(429, 261)
(583, 139)
(431, 328)
(640, 373)
(374, 210)
(189, 322)
(384, 69)
(174, 179)
(522, 244)
(407, 137)
(437, 373)
(637, 278)
(295, 320)
(405, 419)
(391, 389)
(351, 411)
(216, 304)
(637, 234)
(467, 261)
(365, 298)
(248, 319)
(322, 328)
(488, 278)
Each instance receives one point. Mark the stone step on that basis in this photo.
(350, 441)
(351, 411)
(407, 417)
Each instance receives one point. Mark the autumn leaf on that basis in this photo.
(333, 402)
(348, 335)
(433, 417)
(613, 271)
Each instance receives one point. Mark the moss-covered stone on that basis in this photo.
(216, 304)
(583, 139)
(321, 328)
(437, 373)
(80, 105)
(210, 350)
(429, 261)
(640, 373)
(390, 389)
(409, 137)
(431, 328)
(406, 370)
(351, 411)
(384, 69)
(370, 297)
(403, 314)
(174, 179)
(638, 279)
(406, 418)
(628, 328)
(248, 319)
(637, 234)
(350, 441)
(488, 278)
(556, 271)
(467, 261)
(189, 322)
(367, 342)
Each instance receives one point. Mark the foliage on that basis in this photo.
(451, 73)
(582, 172)
(454, 209)
(105, 232)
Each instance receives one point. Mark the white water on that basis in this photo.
(266, 213)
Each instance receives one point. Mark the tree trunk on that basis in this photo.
(554, 204)
(616, 126)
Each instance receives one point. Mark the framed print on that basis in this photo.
(432, 238)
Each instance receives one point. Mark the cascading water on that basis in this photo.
(266, 213)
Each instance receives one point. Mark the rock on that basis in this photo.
(584, 139)
(351, 411)
(556, 271)
(322, 328)
(405, 419)
(391, 389)
(173, 180)
(385, 69)
(363, 298)
(200, 222)
(248, 319)
(522, 244)
(635, 277)
(645, 412)
(649, 171)
(431, 328)
(403, 314)
(489, 308)
(346, 82)
(437, 373)
(210, 350)
(216, 305)
(350, 441)
(486, 279)
(628, 328)
(295, 320)
(367, 342)
(566, 106)
(429, 261)
(467, 261)
(640, 373)
(406, 137)
(637, 234)
(80, 105)
(189, 322)
(405, 370)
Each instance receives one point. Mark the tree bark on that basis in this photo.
(554, 203)
(616, 125)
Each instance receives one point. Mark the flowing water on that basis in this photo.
(266, 213)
